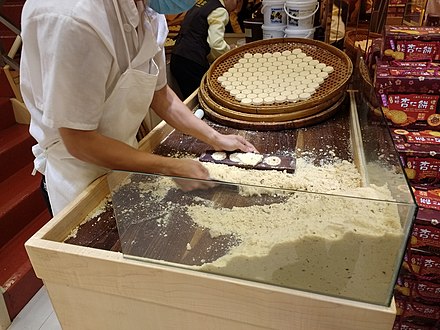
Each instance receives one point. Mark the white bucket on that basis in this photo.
(274, 13)
(296, 33)
(270, 32)
(301, 14)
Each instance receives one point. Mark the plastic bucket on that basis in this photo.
(270, 32)
(300, 14)
(274, 13)
(296, 33)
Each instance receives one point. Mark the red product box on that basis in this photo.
(428, 217)
(412, 111)
(408, 43)
(403, 324)
(422, 264)
(419, 154)
(412, 308)
(407, 80)
(427, 198)
(427, 237)
(410, 286)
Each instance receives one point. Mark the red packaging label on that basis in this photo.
(421, 104)
(423, 170)
(402, 324)
(429, 198)
(417, 50)
(425, 236)
(407, 308)
(421, 264)
(421, 137)
(410, 286)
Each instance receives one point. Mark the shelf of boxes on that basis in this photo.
(407, 85)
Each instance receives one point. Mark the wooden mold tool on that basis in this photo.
(267, 162)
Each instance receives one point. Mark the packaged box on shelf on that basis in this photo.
(412, 111)
(407, 80)
(410, 286)
(427, 197)
(426, 237)
(410, 43)
(412, 308)
(426, 232)
(403, 324)
(419, 153)
(428, 217)
(422, 263)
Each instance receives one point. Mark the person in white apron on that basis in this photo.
(89, 72)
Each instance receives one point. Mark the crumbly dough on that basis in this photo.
(319, 242)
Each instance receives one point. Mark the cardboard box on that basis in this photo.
(404, 324)
(410, 286)
(409, 43)
(407, 80)
(412, 111)
(419, 153)
(422, 263)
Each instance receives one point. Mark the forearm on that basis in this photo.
(171, 109)
(95, 148)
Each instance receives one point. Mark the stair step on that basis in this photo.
(11, 9)
(20, 201)
(7, 118)
(17, 278)
(15, 149)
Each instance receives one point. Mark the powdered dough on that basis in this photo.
(316, 229)
(248, 158)
(323, 243)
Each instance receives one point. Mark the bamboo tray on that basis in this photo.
(255, 114)
(272, 125)
(334, 85)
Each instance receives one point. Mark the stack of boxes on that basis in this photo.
(407, 83)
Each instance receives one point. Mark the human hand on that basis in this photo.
(189, 169)
(233, 142)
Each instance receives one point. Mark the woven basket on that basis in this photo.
(353, 36)
(255, 115)
(366, 84)
(274, 125)
(333, 86)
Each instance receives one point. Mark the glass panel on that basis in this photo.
(348, 244)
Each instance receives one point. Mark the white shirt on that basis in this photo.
(73, 54)
(217, 20)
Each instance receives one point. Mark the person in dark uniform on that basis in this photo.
(200, 42)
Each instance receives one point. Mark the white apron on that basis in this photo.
(123, 112)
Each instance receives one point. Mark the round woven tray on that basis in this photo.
(255, 115)
(351, 37)
(333, 86)
(272, 125)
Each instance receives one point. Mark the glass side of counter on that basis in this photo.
(346, 244)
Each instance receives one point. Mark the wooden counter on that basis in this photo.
(95, 287)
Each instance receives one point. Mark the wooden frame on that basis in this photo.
(91, 288)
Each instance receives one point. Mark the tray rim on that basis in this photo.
(282, 108)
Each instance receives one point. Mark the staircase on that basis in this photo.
(22, 208)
